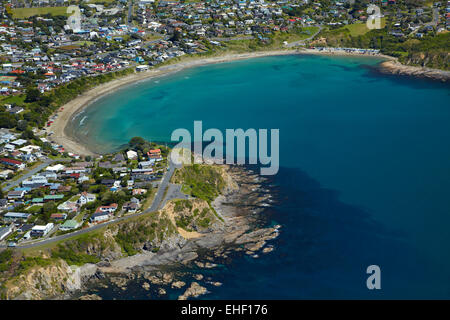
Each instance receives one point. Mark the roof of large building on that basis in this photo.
(19, 215)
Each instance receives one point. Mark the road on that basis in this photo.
(435, 21)
(27, 175)
(31, 172)
(130, 13)
(155, 206)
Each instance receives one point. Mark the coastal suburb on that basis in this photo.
(85, 222)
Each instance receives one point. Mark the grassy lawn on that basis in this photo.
(74, 198)
(358, 29)
(79, 217)
(18, 100)
(81, 43)
(152, 37)
(21, 13)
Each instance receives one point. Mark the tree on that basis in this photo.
(22, 125)
(47, 209)
(28, 134)
(136, 141)
(33, 94)
(7, 120)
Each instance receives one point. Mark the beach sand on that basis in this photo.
(64, 114)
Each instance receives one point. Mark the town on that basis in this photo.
(48, 191)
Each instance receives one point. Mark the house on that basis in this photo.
(37, 200)
(55, 168)
(6, 231)
(10, 148)
(99, 216)
(145, 164)
(19, 142)
(16, 194)
(5, 173)
(3, 203)
(69, 225)
(154, 153)
(118, 158)
(30, 149)
(132, 205)
(108, 182)
(132, 154)
(53, 197)
(14, 216)
(68, 206)
(138, 191)
(41, 231)
(12, 163)
(59, 216)
(35, 181)
(141, 68)
(15, 110)
(86, 198)
(109, 209)
(64, 188)
(25, 228)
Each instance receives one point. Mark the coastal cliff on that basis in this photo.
(139, 246)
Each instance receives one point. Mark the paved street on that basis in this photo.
(12, 184)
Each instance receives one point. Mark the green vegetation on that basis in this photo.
(201, 181)
(22, 13)
(358, 29)
(431, 51)
(38, 107)
(5, 259)
(69, 252)
(153, 228)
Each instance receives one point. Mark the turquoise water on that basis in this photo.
(364, 177)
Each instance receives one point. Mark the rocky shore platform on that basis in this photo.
(396, 68)
(239, 231)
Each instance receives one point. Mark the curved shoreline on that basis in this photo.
(73, 145)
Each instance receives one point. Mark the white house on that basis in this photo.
(132, 154)
(99, 216)
(55, 168)
(41, 231)
(6, 231)
(85, 198)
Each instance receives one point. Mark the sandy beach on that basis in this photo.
(64, 115)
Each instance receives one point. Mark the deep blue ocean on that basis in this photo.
(364, 176)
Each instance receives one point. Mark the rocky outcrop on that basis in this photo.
(395, 67)
(54, 281)
(90, 297)
(193, 291)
